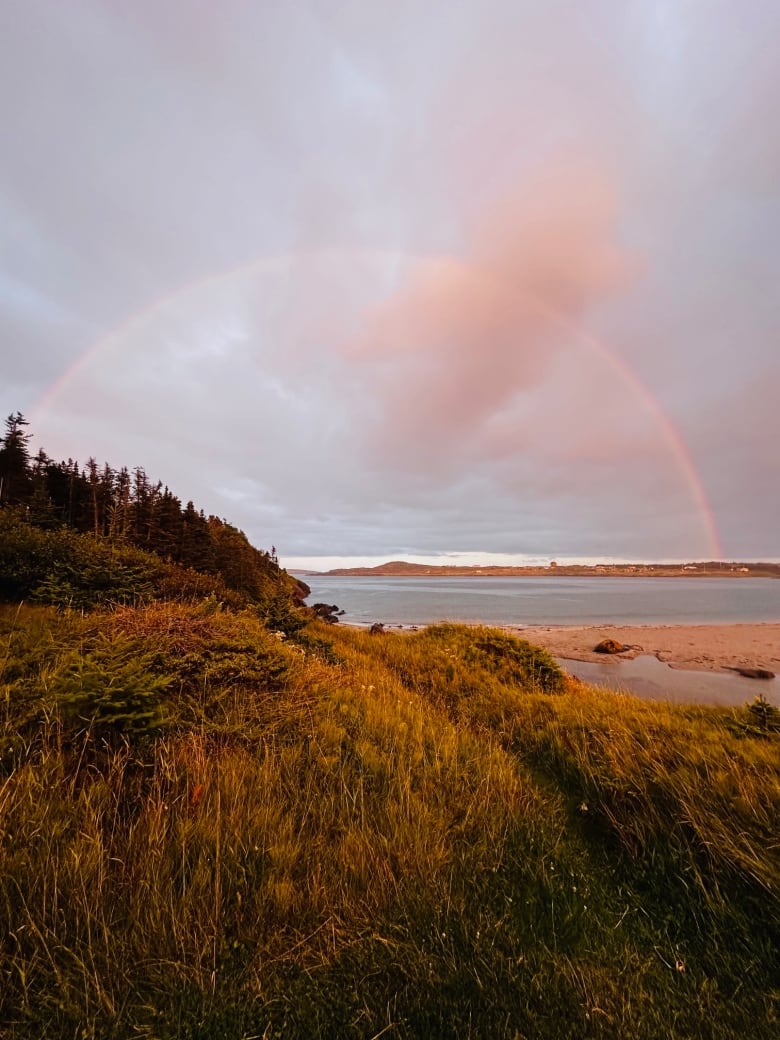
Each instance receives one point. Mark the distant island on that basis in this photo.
(709, 569)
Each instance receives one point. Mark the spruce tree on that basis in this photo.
(14, 461)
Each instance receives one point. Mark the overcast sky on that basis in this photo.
(392, 280)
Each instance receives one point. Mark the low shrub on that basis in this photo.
(113, 689)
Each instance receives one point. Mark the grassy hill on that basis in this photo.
(207, 830)
(221, 818)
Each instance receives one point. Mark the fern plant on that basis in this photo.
(112, 688)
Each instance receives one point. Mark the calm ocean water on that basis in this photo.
(549, 601)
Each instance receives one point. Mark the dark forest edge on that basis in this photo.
(89, 536)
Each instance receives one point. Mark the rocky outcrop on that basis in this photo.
(753, 673)
(300, 591)
(327, 612)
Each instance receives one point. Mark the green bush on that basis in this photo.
(66, 569)
(112, 689)
(25, 556)
(763, 714)
(516, 662)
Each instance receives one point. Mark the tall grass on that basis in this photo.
(409, 835)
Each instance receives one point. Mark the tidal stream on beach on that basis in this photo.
(646, 676)
(518, 601)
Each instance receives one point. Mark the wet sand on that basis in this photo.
(709, 648)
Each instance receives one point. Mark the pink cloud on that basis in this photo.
(463, 339)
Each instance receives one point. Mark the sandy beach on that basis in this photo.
(700, 647)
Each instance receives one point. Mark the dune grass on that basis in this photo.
(207, 831)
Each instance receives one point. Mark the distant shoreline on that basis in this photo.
(709, 569)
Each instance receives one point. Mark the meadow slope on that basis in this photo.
(209, 831)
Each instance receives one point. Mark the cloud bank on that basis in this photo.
(384, 280)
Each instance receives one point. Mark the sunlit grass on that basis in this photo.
(431, 835)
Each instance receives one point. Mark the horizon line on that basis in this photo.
(333, 561)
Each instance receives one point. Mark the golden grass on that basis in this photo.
(392, 833)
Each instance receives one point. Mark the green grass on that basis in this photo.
(424, 835)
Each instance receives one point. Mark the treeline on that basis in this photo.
(121, 509)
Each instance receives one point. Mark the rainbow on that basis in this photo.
(671, 437)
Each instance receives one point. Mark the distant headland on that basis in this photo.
(709, 569)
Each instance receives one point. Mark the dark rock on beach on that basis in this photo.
(327, 611)
(611, 646)
(753, 673)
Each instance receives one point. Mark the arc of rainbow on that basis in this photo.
(671, 434)
(672, 437)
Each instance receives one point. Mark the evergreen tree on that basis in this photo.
(140, 508)
(94, 481)
(77, 509)
(14, 461)
(118, 513)
(168, 527)
(80, 500)
(41, 510)
(57, 480)
(197, 550)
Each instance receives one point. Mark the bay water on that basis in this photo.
(548, 600)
